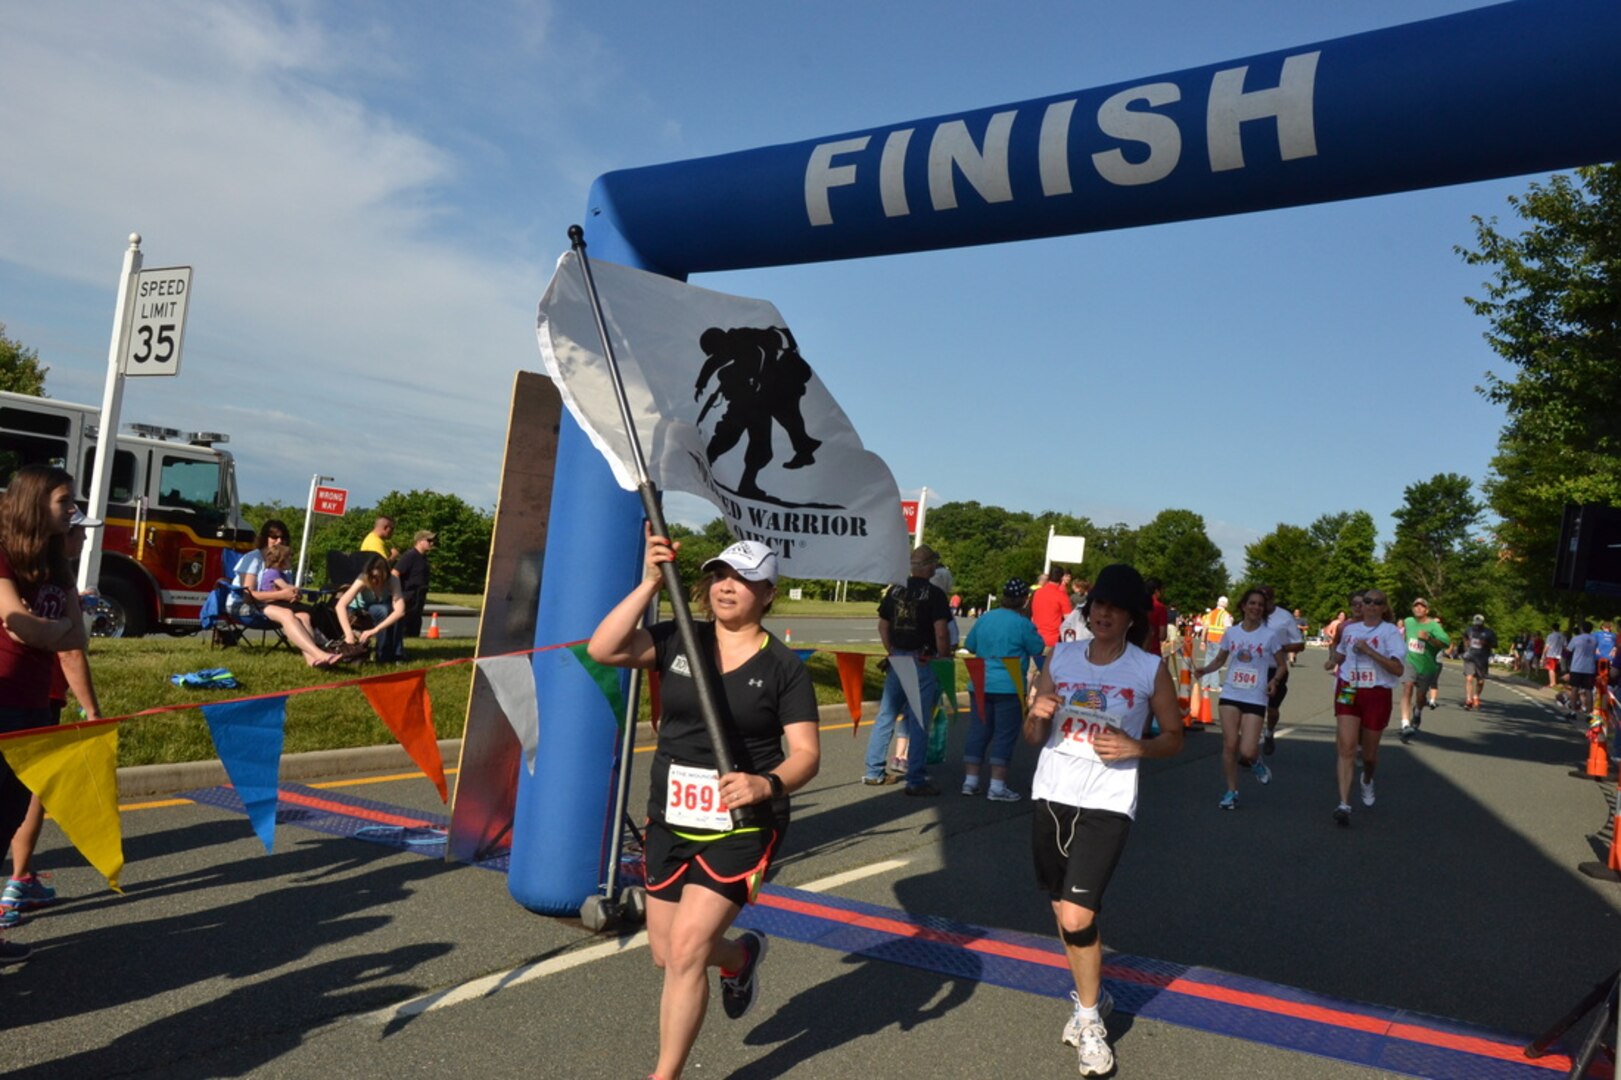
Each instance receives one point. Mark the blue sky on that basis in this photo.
(373, 196)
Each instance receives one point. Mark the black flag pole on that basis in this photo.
(655, 516)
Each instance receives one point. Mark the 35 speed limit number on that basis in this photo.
(159, 322)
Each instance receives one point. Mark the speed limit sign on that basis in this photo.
(159, 322)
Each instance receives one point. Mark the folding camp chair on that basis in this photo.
(232, 614)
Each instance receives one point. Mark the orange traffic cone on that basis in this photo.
(433, 626)
(788, 636)
(1184, 686)
(1204, 709)
(1615, 835)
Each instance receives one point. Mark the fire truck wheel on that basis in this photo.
(121, 612)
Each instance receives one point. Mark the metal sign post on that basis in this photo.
(309, 516)
(111, 400)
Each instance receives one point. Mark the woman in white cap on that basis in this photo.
(1091, 709)
(701, 869)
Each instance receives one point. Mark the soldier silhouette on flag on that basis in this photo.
(762, 377)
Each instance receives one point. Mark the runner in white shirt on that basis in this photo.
(1091, 706)
(1371, 654)
(1292, 641)
(1252, 652)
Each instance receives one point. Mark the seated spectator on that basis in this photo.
(373, 608)
(280, 604)
(278, 560)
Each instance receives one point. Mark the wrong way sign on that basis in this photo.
(158, 322)
(331, 500)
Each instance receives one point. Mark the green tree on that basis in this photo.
(1175, 548)
(1350, 566)
(1291, 559)
(20, 369)
(461, 550)
(1109, 544)
(1554, 306)
(1432, 551)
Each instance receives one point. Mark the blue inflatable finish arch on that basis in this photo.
(1517, 88)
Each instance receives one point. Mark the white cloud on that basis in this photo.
(336, 316)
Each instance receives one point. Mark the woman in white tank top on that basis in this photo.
(1091, 708)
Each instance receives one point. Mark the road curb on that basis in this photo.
(138, 781)
(145, 781)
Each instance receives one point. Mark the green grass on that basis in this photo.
(132, 675)
(455, 599)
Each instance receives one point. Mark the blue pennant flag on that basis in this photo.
(248, 738)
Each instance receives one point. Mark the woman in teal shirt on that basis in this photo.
(1005, 632)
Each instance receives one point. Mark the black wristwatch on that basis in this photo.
(778, 791)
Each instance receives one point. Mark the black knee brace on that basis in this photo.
(1081, 938)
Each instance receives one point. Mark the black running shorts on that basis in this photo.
(734, 865)
(1076, 851)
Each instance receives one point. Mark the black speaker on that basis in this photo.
(1589, 554)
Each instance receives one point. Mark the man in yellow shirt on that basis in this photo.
(376, 540)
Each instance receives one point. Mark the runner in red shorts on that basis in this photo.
(1370, 670)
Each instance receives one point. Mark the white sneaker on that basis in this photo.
(1367, 793)
(1096, 1059)
(1006, 794)
(1072, 1030)
(970, 789)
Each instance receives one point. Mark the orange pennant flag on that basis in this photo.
(401, 701)
(976, 673)
(852, 677)
(74, 771)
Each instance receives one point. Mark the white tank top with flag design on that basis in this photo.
(1094, 697)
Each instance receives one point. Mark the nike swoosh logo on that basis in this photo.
(1073, 889)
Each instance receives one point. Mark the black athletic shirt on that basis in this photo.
(756, 700)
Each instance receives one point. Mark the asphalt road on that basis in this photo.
(1457, 896)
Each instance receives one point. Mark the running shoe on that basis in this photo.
(1262, 772)
(10, 916)
(1269, 744)
(1095, 1056)
(738, 991)
(26, 894)
(1418, 717)
(1407, 733)
(1367, 792)
(1229, 801)
(1342, 815)
(13, 952)
(970, 789)
(924, 789)
(1006, 794)
(1072, 1030)
(878, 781)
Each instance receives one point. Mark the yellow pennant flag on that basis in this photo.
(1015, 670)
(74, 771)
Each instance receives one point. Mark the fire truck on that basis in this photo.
(172, 508)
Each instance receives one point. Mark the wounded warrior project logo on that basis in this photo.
(755, 380)
(762, 378)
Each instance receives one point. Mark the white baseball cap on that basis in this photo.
(79, 521)
(752, 560)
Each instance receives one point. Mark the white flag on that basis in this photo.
(726, 408)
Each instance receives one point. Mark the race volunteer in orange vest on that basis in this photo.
(1213, 626)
